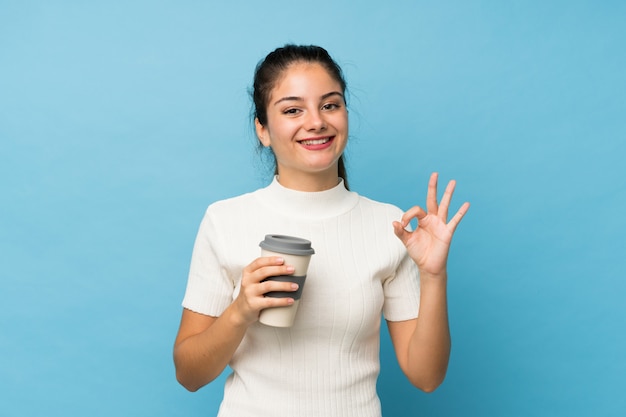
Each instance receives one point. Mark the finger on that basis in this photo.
(268, 302)
(444, 205)
(264, 267)
(415, 212)
(275, 300)
(258, 301)
(454, 221)
(273, 271)
(400, 231)
(262, 262)
(431, 196)
(260, 283)
(271, 285)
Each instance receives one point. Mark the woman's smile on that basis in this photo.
(314, 144)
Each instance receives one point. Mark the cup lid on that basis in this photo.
(290, 245)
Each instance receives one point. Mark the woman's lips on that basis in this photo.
(316, 143)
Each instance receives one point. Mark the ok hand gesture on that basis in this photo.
(428, 245)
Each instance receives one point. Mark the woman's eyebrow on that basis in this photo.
(332, 93)
(289, 98)
(296, 98)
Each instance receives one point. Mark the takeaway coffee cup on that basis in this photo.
(296, 252)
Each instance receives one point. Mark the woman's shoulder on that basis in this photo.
(381, 207)
(377, 203)
(231, 204)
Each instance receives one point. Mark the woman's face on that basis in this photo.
(307, 127)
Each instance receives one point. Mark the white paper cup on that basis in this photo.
(296, 252)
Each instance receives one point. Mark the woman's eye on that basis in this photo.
(330, 106)
(291, 111)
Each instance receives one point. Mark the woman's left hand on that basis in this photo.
(428, 245)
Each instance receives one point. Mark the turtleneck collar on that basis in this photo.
(307, 205)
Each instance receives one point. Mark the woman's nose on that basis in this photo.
(315, 121)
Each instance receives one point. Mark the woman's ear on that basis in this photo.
(261, 133)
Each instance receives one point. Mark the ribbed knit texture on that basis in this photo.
(327, 364)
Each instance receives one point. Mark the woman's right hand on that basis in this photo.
(251, 299)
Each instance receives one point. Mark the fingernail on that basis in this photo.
(280, 260)
(294, 286)
(290, 268)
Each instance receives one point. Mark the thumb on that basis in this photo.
(400, 231)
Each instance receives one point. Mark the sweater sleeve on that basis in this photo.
(209, 288)
(402, 292)
(402, 288)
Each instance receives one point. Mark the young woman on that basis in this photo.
(366, 264)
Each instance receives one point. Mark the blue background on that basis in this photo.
(121, 121)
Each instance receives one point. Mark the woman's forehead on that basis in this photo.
(304, 79)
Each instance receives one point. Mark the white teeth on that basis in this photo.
(315, 141)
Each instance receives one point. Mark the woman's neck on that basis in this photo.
(309, 182)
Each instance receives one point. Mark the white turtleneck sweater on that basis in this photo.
(327, 364)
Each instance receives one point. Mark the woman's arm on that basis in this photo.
(205, 344)
(423, 345)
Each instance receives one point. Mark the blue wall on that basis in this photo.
(121, 121)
